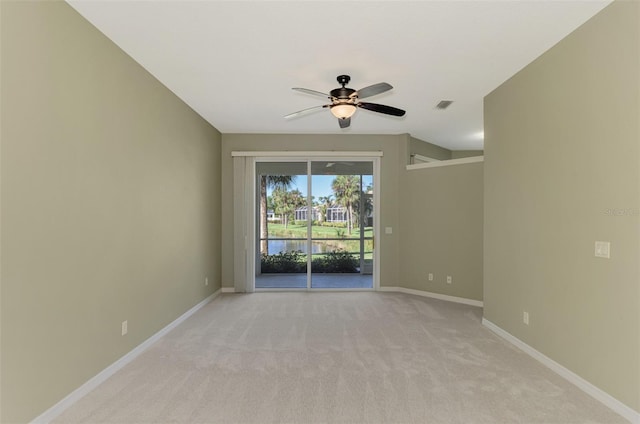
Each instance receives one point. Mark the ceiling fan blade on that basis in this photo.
(387, 110)
(372, 90)
(303, 111)
(344, 122)
(312, 92)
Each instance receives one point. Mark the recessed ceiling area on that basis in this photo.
(235, 62)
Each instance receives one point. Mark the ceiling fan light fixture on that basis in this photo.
(343, 110)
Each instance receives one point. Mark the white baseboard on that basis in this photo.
(439, 296)
(228, 290)
(57, 409)
(598, 394)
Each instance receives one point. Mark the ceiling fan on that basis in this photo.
(345, 101)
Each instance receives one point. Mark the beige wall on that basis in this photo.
(459, 154)
(423, 148)
(110, 205)
(562, 149)
(420, 147)
(394, 148)
(442, 214)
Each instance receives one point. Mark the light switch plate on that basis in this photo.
(388, 230)
(603, 249)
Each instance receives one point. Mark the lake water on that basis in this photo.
(276, 246)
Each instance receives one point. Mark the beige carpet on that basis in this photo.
(335, 358)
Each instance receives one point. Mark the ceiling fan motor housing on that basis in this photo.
(342, 93)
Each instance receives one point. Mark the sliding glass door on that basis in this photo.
(342, 229)
(315, 223)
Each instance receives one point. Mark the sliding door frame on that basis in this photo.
(246, 228)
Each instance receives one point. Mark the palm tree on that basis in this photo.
(324, 204)
(367, 199)
(270, 181)
(347, 191)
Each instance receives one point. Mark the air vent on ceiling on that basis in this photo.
(444, 104)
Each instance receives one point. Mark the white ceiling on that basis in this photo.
(235, 62)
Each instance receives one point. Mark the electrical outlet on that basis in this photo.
(125, 329)
(449, 279)
(525, 317)
(603, 249)
(430, 276)
(206, 281)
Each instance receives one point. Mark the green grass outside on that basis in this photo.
(300, 231)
